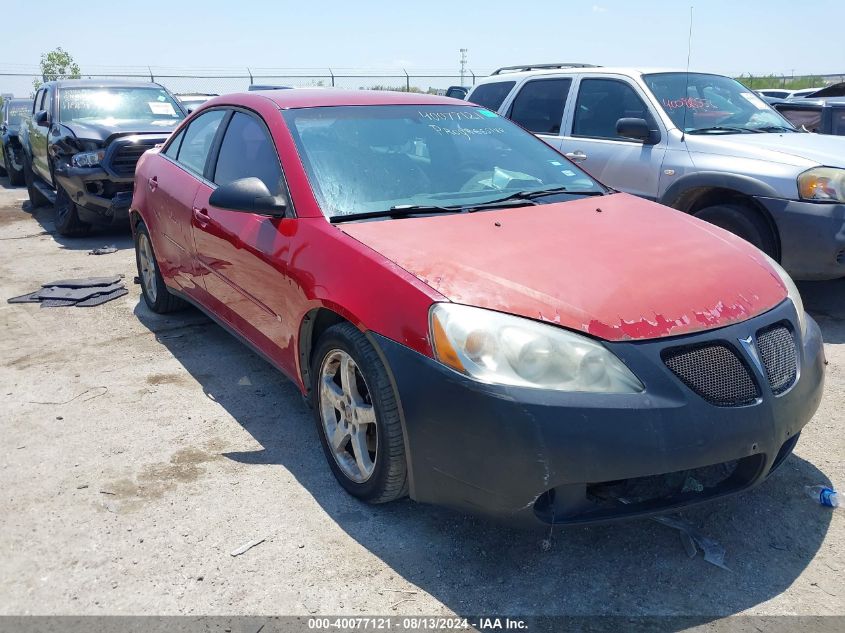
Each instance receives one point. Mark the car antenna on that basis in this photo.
(686, 87)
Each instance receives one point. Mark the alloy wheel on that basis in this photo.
(146, 266)
(348, 416)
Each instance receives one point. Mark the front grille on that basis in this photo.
(840, 257)
(714, 372)
(779, 356)
(127, 155)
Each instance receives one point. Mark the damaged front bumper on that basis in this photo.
(100, 197)
(555, 457)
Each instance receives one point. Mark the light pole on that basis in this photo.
(463, 64)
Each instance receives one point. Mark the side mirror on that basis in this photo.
(637, 129)
(249, 195)
(42, 118)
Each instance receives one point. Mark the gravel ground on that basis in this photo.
(139, 450)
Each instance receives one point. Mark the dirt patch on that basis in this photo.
(166, 379)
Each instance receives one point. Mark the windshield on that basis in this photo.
(366, 159)
(18, 111)
(153, 105)
(697, 102)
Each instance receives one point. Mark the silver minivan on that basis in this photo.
(701, 143)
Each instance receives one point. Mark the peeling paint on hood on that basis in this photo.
(636, 270)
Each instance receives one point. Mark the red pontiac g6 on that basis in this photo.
(477, 322)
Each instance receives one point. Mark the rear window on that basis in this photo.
(539, 105)
(839, 122)
(492, 95)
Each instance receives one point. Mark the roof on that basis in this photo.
(101, 83)
(316, 97)
(597, 70)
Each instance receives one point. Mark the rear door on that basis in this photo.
(591, 141)
(172, 182)
(539, 107)
(243, 256)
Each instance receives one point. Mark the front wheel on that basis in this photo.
(67, 216)
(743, 222)
(357, 416)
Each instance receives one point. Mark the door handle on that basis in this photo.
(577, 156)
(201, 217)
(152, 183)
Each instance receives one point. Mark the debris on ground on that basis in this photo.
(82, 293)
(714, 553)
(103, 250)
(247, 546)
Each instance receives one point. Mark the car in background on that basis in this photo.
(11, 157)
(823, 116)
(774, 93)
(475, 321)
(191, 101)
(457, 92)
(254, 87)
(81, 142)
(804, 92)
(701, 143)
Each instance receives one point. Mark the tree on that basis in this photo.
(57, 64)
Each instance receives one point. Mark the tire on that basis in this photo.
(156, 295)
(4, 166)
(15, 177)
(67, 216)
(383, 439)
(36, 198)
(743, 222)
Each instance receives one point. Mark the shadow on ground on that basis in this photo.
(475, 566)
(117, 236)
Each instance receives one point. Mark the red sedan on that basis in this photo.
(476, 321)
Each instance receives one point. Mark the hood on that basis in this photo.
(103, 129)
(799, 149)
(617, 267)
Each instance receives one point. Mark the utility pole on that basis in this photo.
(463, 65)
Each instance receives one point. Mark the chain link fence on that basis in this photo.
(21, 83)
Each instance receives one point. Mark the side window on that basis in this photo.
(491, 95)
(810, 119)
(539, 105)
(172, 150)
(247, 150)
(36, 104)
(198, 139)
(601, 103)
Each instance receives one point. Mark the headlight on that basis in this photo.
(822, 184)
(87, 159)
(792, 292)
(508, 350)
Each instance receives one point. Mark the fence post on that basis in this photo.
(473, 77)
(250, 75)
(407, 81)
(332, 74)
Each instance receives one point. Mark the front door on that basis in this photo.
(591, 140)
(243, 256)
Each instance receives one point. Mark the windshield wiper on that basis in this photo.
(776, 128)
(398, 211)
(725, 128)
(533, 194)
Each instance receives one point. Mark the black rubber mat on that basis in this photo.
(102, 298)
(31, 297)
(76, 294)
(86, 282)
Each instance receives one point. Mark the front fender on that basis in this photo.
(740, 183)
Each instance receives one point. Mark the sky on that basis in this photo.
(729, 37)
